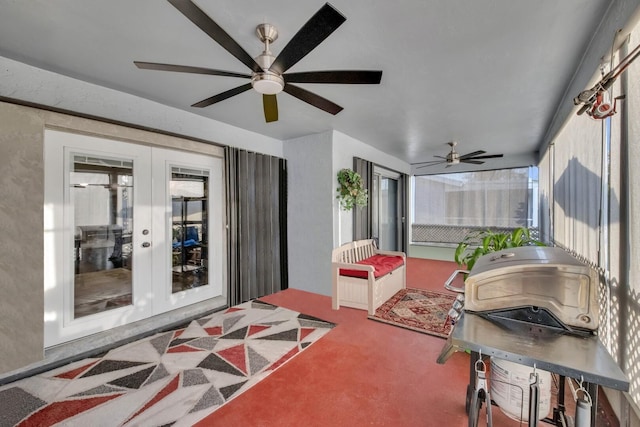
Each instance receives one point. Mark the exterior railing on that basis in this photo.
(453, 234)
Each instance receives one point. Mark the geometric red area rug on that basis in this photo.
(419, 310)
(173, 378)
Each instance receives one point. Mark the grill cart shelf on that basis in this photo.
(579, 357)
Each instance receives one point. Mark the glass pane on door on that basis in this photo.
(189, 190)
(388, 214)
(102, 198)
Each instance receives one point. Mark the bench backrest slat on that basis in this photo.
(352, 252)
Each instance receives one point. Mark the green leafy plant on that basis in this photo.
(479, 243)
(351, 191)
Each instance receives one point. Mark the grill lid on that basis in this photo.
(527, 257)
(532, 276)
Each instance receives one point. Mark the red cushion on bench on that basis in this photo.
(382, 265)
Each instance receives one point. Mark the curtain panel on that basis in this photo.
(545, 204)
(404, 209)
(257, 224)
(577, 184)
(497, 198)
(629, 238)
(614, 246)
(362, 217)
(590, 178)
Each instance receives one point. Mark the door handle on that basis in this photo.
(146, 244)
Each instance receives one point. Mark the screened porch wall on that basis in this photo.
(590, 203)
(447, 207)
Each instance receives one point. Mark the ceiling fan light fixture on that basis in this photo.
(453, 158)
(267, 83)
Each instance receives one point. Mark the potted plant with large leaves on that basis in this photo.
(351, 191)
(479, 243)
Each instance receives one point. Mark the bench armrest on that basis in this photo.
(362, 267)
(392, 253)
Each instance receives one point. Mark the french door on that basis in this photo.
(131, 231)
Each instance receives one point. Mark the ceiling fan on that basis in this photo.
(454, 158)
(268, 73)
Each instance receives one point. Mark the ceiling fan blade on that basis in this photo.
(475, 153)
(440, 157)
(270, 106)
(489, 156)
(474, 162)
(313, 99)
(222, 96)
(319, 27)
(339, 76)
(187, 69)
(427, 164)
(206, 24)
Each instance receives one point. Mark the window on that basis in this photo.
(447, 206)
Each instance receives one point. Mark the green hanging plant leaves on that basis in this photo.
(351, 191)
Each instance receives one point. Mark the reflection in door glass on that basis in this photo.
(102, 198)
(388, 217)
(384, 209)
(189, 193)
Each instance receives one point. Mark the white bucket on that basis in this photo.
(510, 389)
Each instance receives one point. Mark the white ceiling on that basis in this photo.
(490, 74)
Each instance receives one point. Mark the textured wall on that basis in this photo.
(309, 212)
(21, 248)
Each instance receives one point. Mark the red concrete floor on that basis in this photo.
(363, 373)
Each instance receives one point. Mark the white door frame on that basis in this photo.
(151, 265)
(164, 160)
(389, 174)
(60, 325)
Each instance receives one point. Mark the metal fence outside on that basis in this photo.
(454, 234)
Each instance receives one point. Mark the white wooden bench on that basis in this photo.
(367, 292)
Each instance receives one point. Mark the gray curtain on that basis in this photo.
(362, 216)
(257, 224)
(403, 209)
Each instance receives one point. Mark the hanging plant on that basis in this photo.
(351, 191)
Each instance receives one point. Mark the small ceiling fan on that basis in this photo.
(454, 158)
(268, 75)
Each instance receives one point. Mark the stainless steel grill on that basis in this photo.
(543, 286)
(537, 307)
